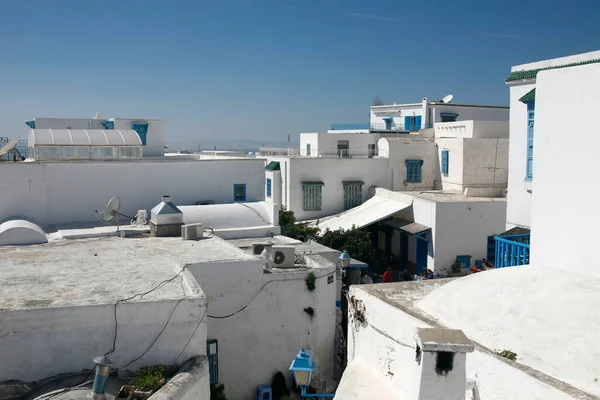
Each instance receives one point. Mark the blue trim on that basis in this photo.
(530, 123)
(445, 162)
(512, 251)
(448, 114)
(418, 119)
(142, 131)
(30, 124)
(268, 187)
(464, 260)
(239, 192)
(109, 125)
(213, 361)
(338, 304)
(99, 384)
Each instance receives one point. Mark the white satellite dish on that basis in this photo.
(111, 212)
(9, 146)
(447, 99)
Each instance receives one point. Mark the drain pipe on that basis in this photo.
(103, 365)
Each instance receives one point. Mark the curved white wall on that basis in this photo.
(21, 232)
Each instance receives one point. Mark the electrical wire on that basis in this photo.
(257, 293)
(156, 338)
(160, 285)
(193, 333)
(61, 391)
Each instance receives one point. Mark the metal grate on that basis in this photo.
(312, 194)
(413, 171)
(352, 195)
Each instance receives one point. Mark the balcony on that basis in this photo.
(345, 153)
(375, 127)
(512, 250)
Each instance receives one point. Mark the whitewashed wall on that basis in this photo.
(466, 113)
(485, 164)
(398, 113)
(327, 143)
(385, 342)
(462, 228)
(565, 170)
(45, 342)
(456, 157)
(519, 192)
(263, 339)
(67, 123)
(400, 150)
(66, 192)
(333, 172)
(472, 129)
(276, 187)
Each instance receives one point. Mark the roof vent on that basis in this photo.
(166, 219)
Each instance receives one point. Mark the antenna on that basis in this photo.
(111, 211)
(447, 99)
(9, 146)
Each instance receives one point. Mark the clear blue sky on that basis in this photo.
(258, 69)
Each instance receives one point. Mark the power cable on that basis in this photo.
(193, 333)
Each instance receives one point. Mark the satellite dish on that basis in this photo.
(9, 146)
(448, 99)
(112, 208)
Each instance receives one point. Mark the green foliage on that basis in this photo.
(217, 392)
(506, 354)
(291, 228)
(310, 312)
(355, 241)
(149, 378)
(310, 281)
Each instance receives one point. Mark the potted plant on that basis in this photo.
(144, 383)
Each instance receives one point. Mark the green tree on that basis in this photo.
(355, 241)
(291, 228)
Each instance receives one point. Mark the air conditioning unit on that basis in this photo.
(192, 231)
(282, 256)
(258, 248)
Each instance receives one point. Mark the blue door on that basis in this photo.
(422, 250)
(403, 251)
(388, 124)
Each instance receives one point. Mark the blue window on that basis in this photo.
(448, 117)
(30, 124)
(412, 123)
(109, 125)
(445, 162)
(388, 123)
(414, 171)
(239, 192)
(142, 131)
(308, 149)
(530, 120)
(212, 353)
(268, 187)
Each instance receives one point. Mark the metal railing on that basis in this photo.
(512, 250)
(274, 151)
(345, 153)
(349, 127)
(383, 127)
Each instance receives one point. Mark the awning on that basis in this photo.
(412, 228)
(529, 96)
(273, 166)
(83, 137)
(373, 210)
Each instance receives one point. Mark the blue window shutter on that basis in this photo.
(142, 131)
(268, 187)
(445, 162)
(530, 131)
(407, 123)
(212, 353)
(418, 122)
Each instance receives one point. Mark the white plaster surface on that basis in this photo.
(570, 92)
(539, 312)
(59, 303)
(332, 172)
(21, 232)
(260, 323)
(398, 150)
(360, 382)
(385, 342)
(192, 382)
(326, 144)
(50, 193)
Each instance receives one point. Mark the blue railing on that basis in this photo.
(348, 127)
(512, 250)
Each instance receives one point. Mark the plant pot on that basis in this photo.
(141, 395)
(126, 392)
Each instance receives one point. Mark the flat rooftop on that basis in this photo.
(95, 271)
(447, 196)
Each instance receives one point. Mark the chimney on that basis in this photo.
(103, 364)
(441, 356)
(166, 219)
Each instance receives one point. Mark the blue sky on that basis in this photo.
(260, 70)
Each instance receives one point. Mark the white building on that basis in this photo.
(523, 82)
(217, 300)
(58, 192)
(427, 229)
(545, 312)
(150, 131)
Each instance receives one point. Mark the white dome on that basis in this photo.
(21, 232)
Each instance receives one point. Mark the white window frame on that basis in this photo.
(352, 194)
